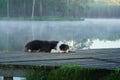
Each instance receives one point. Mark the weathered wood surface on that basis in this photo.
(99, 58)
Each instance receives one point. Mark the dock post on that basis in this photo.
(8, 78)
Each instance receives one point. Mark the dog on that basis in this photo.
(46, 46)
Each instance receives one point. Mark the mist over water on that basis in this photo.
(78, 34)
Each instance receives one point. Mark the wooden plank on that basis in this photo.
(28, 57)
(12, 73)
(98, 58)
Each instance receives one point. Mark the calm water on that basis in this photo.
(85, 34)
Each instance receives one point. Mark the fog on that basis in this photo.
(15, 34)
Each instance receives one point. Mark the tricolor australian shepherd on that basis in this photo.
(47, 46)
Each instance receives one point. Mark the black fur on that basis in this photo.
(41, 46)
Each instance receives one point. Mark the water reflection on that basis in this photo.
(98, 44)
(1, 78)
(75, 45)
(19, 78)
(93, 44)
(15, 34)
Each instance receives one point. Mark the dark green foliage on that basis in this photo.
(3, 8)
(71, 73)
(23, 8)
(76, 73)
(114, 75)
(61, 8)
(44, 18)
(39, 74)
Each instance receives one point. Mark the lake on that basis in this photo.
(87, 34)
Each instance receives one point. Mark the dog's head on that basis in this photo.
(62, 47)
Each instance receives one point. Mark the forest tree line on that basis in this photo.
(56, 8)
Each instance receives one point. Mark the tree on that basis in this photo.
(8, 8)
(33, 8)
(67, 8)
(40, 7)
(2, 7)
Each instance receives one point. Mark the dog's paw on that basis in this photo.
(54, 51)
(58, 51)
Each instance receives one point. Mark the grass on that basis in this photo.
(72, 73)
(39, 74)
(114, 75)
(44, 18)
(75, 73)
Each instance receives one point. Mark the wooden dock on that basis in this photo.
(93, 58)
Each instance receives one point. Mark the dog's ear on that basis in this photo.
(58, 45)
